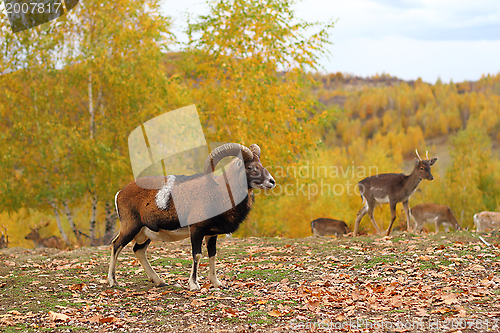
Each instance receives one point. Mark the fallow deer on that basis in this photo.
(487, 220)
(4, 238)
(392, 188)
(328, 227)
(431, 212)
(52, 241)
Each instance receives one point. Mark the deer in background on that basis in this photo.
(486, 220)
(327, 227)
(52, 241)
(392, 188)
(431, 212)
(4, 238)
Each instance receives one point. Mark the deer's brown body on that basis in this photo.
(329, 227)
(438, 214)
(52, 241)
(391, 188)
(487, 220)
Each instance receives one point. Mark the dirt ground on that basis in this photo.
(448, 282)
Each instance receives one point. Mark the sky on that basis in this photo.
(453, 40)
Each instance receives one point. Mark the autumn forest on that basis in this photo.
(75, 88)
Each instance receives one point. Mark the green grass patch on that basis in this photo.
(267, 275)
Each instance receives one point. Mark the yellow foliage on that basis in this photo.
(234, 73)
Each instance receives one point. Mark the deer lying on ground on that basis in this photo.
(487, 220)
(52, 241)
(431, 212)
(392, 188)
(329, 227)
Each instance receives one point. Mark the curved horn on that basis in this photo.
(255, 149)
(416, 151)
(228, 149)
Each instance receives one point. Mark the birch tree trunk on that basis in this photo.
(91, 107)
(59, 224)
(110, 223)
(93, 217)
(110, 218)
(93, 214)
(71, 223)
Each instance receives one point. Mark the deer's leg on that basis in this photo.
(212, 251)
(140, 254)
(117, 245)
(392, 205)
(360, 215)
(407, 213)
(418, 225)
(196, 241)
(371, 208)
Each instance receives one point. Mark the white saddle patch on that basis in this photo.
(164, 193)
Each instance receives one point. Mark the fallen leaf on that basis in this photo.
(493, 314)
(449, 298)
(229, 311)
(78, 286)
(396, 301)
(55, 316)
(95, 319)
(440, 310)
(421, 312)
(197, 302)
(476, 268)
(6, 322)
(275, 313)
(107, 320)
(312, 305)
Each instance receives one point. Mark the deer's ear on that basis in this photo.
(433, 160)
(417, 161)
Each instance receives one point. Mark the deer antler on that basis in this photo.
(416, 151)
(42, 224)
(427, 155)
